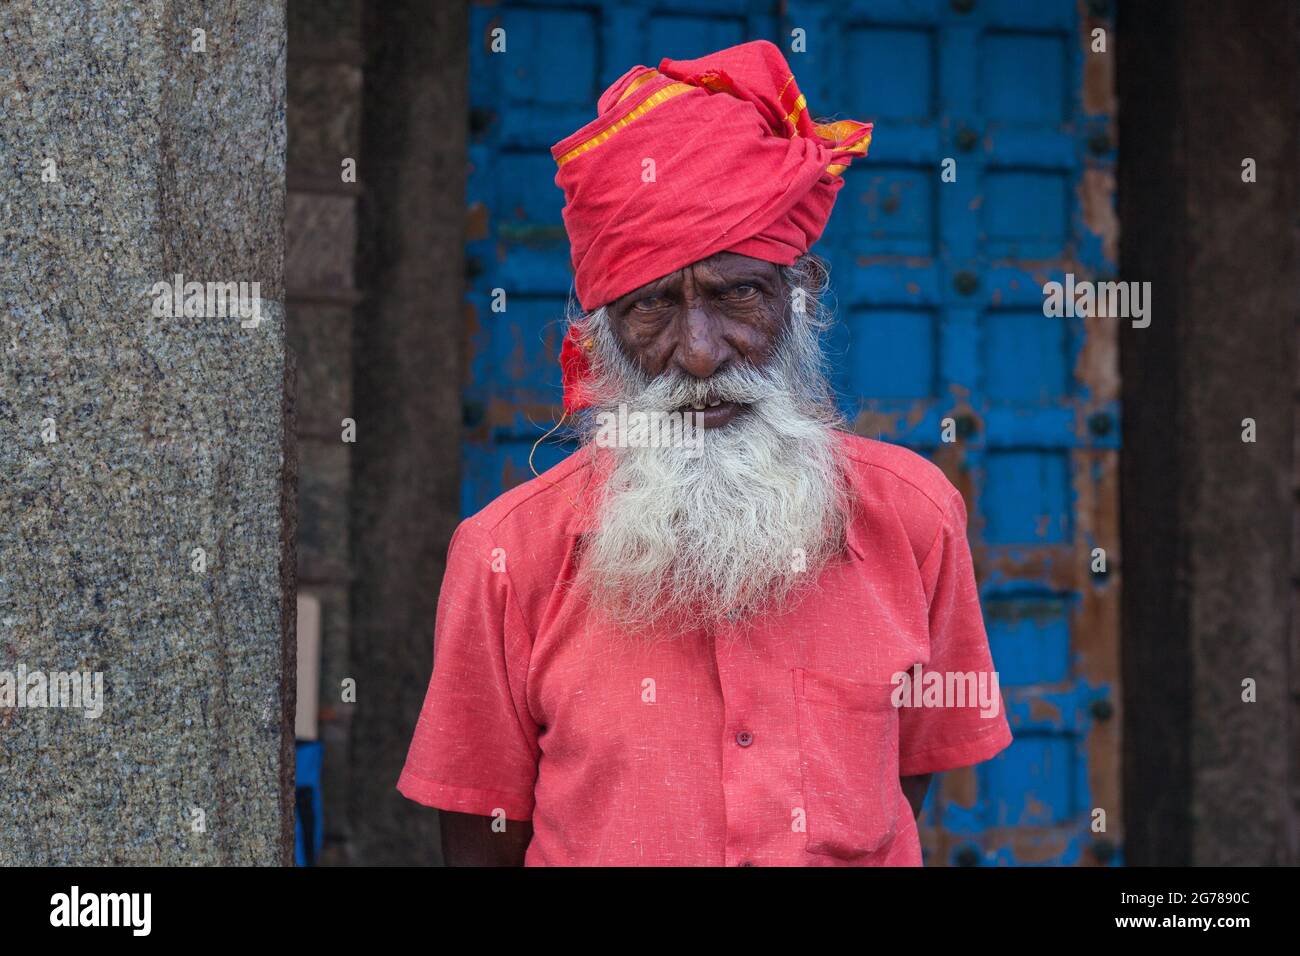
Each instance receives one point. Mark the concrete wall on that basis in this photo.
(1206, 516)
(374, 274)
(129, 440)
(1293, 731)
(323, 290)
(408, 367)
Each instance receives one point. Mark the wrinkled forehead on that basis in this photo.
(721, 267)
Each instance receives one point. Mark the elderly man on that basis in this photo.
(704, 652)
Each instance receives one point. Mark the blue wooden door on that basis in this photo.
(941, 333)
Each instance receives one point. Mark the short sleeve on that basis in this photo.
(934, 738)
(475, 745)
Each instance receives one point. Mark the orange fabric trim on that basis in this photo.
(714, 83)
(651, 101)
(639, 82)
(793, 108)
(859, 149)
(833, 133)
(793, 116)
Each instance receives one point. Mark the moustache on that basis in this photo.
(675, 390)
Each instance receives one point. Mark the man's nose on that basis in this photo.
(701, 348)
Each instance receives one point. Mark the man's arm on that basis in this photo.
(914, 788)
(469, 840)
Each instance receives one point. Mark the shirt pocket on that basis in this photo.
(848, 758)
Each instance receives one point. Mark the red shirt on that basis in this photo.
(769, 743)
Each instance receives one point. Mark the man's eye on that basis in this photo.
(650, 303)
(742, 291)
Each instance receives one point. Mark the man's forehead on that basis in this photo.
(720, 264)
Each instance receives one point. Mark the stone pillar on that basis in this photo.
(1207, 516)
(146, 499)
(409, 343)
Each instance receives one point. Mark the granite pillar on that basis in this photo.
(146, 460)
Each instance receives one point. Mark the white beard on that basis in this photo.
(687, 537)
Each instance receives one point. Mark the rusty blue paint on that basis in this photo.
(1029, 635)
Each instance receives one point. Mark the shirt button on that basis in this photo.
(744, 738)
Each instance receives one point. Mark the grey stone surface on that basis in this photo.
(321, 231)
(324, 88)
(171, 433)
(324, 116)
(324, 481)
(321, 339)
(409, 341)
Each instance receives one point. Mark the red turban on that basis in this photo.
(738, 166)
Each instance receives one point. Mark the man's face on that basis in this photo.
(724, 310)
(695, 533)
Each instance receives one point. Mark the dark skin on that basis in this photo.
(725, 309)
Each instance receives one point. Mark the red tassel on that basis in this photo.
(575, 369)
